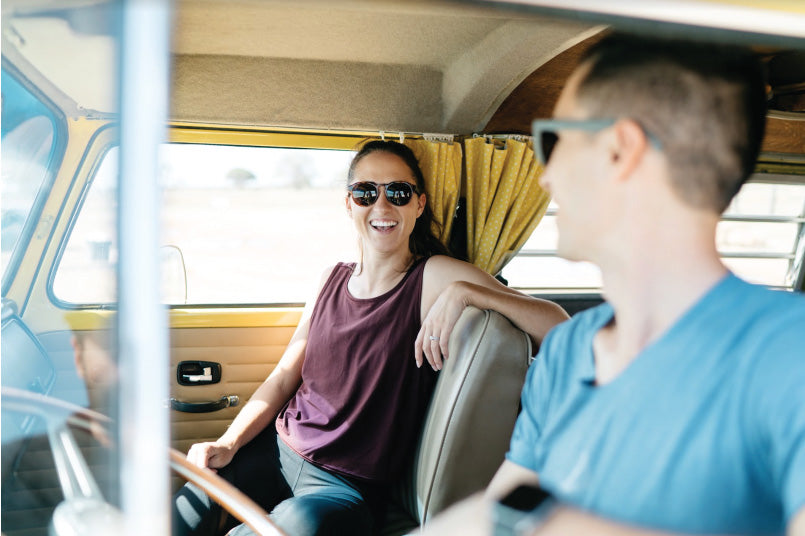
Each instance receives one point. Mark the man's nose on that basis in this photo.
(544, 181)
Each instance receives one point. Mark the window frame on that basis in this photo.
(54, 162)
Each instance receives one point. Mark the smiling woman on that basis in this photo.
(335, 424)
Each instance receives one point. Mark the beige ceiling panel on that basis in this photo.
(316, 94)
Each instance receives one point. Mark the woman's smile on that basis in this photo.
(383, 225)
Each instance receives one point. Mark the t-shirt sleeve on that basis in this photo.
(781, 416)
(524, 447)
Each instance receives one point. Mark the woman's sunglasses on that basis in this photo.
(398, 193)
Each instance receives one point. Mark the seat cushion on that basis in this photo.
(473, 411)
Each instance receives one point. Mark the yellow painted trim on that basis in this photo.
(236, 317)
(785, 6)
(87, 320)
(236, 135)
(253, 317)
(86, 139)
(263, 139)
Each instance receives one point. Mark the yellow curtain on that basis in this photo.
(504, 200)
(441, 165)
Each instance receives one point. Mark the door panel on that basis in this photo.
(247, 355)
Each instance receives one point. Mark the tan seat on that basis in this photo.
(470, 420)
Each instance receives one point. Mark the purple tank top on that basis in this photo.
(362, 401)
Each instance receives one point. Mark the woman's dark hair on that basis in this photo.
(422, 242)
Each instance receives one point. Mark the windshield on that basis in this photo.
(29, 141)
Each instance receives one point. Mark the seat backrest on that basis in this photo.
(472, 414)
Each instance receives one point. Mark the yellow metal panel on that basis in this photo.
(787, 6)
(235, 317)
(265, 139)
(86, 140)
(247, 317)
(236, 135)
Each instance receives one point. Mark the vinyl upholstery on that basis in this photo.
(470, 421)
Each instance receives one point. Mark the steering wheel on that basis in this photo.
(84, 510)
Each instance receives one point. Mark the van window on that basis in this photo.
(757, 239)
(241, 225)
(28, 147)
(759, 232)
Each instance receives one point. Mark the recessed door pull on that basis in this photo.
(198, 372)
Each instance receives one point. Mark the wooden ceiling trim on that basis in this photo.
(537, 94)
(536, 97)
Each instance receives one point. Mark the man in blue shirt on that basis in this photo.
(679, 405)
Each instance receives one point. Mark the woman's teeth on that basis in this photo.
(383, 225)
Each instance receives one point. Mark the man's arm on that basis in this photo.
(567, 520)
(509, 476)
(472, 516)
(797, 525)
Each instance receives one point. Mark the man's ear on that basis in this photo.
(78, 355)
(629, 144)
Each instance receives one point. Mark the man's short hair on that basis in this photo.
(705, 103)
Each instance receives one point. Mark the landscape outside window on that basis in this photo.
(259, 224)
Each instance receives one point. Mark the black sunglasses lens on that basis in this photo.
(548, 142)
(364, 193)
(399, 193)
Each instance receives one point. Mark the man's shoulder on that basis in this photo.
(568, 346)
(591, 319)
(771, 312)
(763, 296)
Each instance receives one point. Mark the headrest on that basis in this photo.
(473, 410)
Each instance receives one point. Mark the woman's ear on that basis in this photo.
(348, 206)
(421, 204)
(628, 147)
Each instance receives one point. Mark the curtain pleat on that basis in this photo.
(504, 200)
(441, 165)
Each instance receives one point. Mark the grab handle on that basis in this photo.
(226, 401)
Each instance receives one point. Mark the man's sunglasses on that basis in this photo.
(545, 133)
(398, 193)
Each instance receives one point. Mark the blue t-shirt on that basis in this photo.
(703, 432)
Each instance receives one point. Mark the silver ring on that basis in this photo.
(433, 338)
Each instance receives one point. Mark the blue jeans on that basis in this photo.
(302, 499)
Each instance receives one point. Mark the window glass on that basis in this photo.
(240, 225)
(537, 267)
(757, 236)
(27, 150)
(86, 273)
(757, 239)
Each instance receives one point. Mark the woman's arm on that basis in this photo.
(266, 402)
(450, 285)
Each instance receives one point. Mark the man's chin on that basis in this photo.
(569, 254)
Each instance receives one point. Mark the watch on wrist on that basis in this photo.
(521, 511)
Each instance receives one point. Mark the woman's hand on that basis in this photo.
(211, 455)
(434, 335)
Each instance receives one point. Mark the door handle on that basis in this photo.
(226, 401)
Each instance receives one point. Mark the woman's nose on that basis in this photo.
(381, 195)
